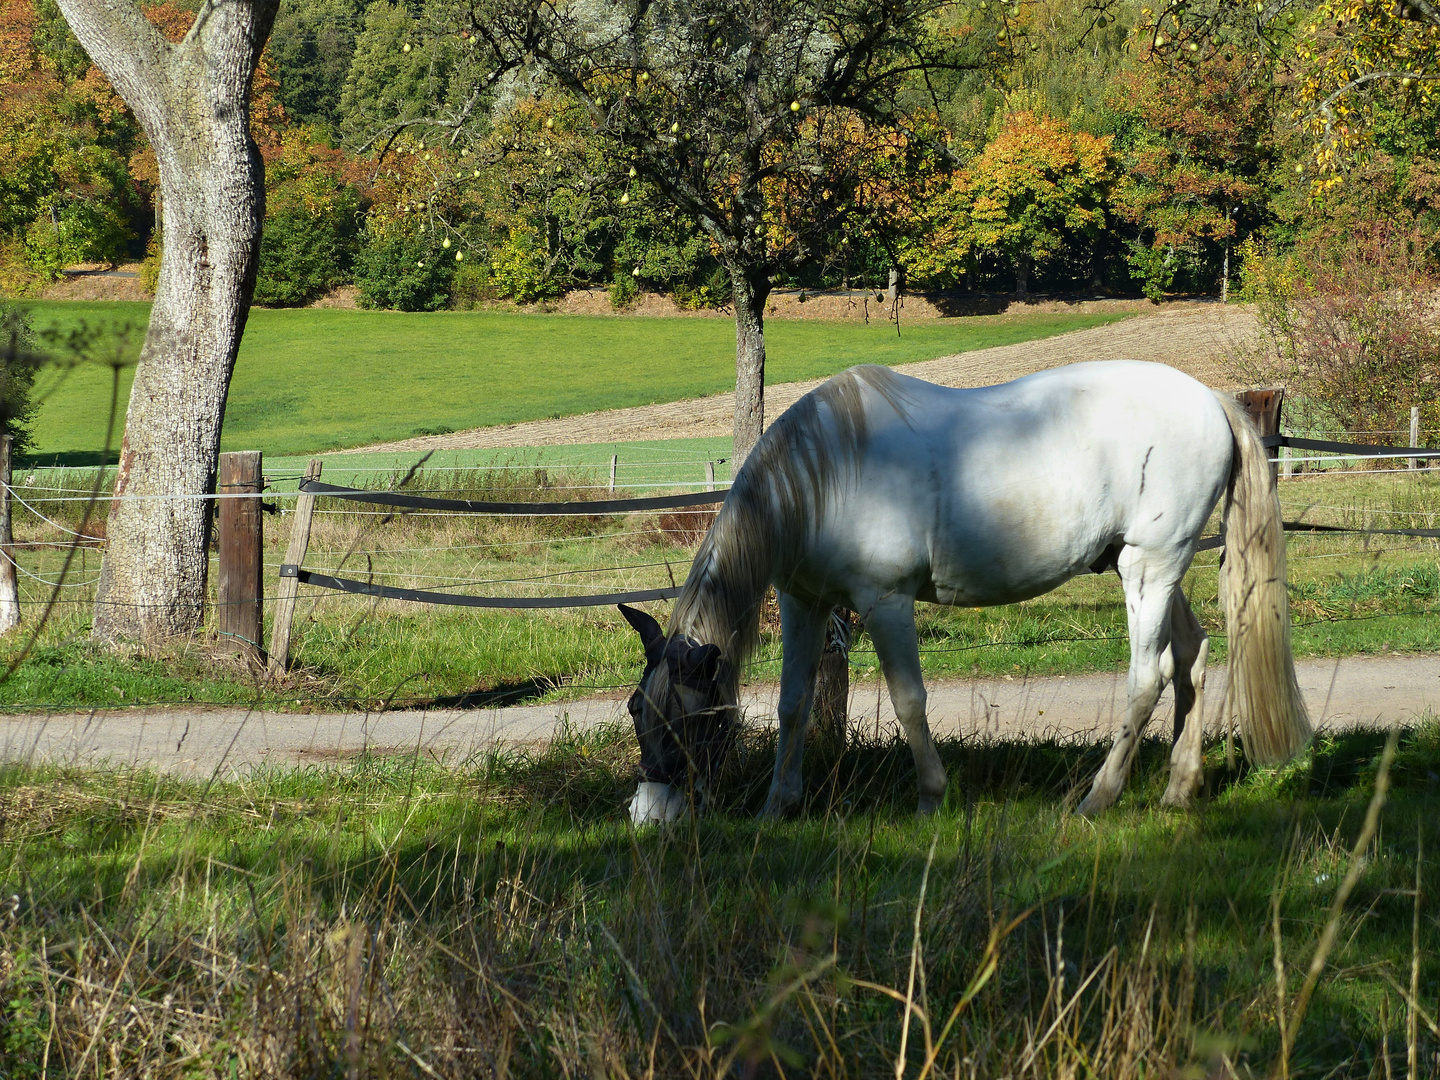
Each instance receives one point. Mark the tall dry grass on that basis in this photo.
(402, 919)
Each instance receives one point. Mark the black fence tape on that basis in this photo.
(470, 506)
(420, 596)
(1363, 449)
(705, 498)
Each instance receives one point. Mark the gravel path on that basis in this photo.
(1351, 692)
(1192, 338)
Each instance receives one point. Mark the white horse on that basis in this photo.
(877, 490)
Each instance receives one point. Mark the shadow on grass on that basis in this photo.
(77, 459)
(515, 877)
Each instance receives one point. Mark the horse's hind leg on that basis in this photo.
(891, 623)
(1190, 646)
(1149, 584)
(802, 633)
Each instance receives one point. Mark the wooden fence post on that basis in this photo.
(9, 583)
(1415, 433)
(289, 584)
(830, 713)
(614, 467)
(240, 620)
(1263, 405)
(709, 476)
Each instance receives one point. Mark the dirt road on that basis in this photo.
(1191, 337)
(201, 742)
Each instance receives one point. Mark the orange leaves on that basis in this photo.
(1036, 188)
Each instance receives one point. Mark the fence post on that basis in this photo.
(1264, 404)
(709, 476)
(1415, 433)
(9, 583)
(240, 620)
(829, 715)
(614, 467)
(290, 586)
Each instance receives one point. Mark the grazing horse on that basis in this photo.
(876, 490)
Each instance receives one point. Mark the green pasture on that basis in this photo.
(322, 379)
(1349, 595)
(497, 916)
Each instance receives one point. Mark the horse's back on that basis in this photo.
(998, 493)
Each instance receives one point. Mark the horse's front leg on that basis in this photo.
(802, 637)
(891, 623)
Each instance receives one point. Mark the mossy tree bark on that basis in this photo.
(192, 99)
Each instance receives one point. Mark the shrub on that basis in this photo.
(624, 291)
(81, 231)
(714, 292)
(1350, 325)
(150, 268)
(311, 221)
(404, 272)
(470, 286)
(18, 361)
(304, 252)
(520, 270)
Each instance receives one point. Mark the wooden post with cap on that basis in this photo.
(1264, 405)
(289, 574)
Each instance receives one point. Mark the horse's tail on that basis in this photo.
(1264, 694)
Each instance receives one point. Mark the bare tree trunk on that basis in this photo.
(751, 290)
(1022, 277)
(192, 99)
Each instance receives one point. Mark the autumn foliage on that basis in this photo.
(1037, 191)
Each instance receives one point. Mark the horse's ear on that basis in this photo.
(652, 638)
(700, 662)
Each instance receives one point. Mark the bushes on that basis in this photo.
(1350, 325)
(312, 210)
(404, 272)
(304, 252)
(17, 375)
(520, 270)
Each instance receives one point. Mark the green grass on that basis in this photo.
(310, 380)
(391, 917)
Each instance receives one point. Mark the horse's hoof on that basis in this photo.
(1094, 804)
(1178, 796)
(655, 804)
(777, 808)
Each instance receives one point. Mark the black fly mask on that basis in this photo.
(684, 725)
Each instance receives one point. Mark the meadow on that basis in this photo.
(390, 917)
(322, 379)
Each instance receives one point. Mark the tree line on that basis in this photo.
(1053, 146)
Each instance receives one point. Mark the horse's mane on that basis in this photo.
(775, 504)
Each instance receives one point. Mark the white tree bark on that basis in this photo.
(192, 99)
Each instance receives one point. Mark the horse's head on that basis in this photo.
(683, 719)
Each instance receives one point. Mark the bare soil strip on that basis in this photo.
(1193, 337)
(1352, 692)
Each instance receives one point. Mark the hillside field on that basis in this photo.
(321, 379)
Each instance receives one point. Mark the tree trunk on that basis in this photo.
(192, 99)
(1022, 277)
(830, 714)
(751, 290)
